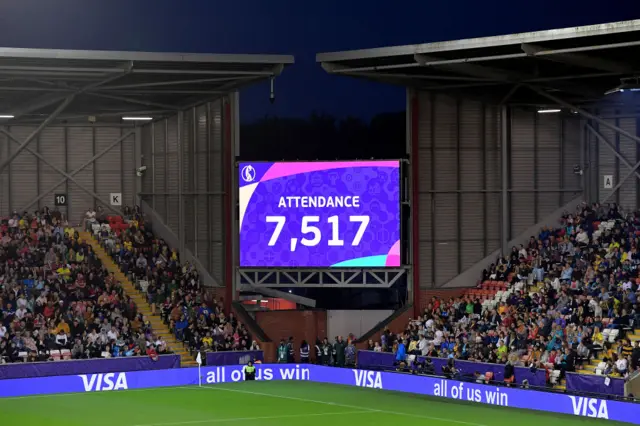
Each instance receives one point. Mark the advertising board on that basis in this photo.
(430, 386)
(343, 214)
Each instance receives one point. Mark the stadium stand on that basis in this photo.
(58, 302)
(167, 290)
(566, 302)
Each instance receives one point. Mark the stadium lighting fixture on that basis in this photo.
(6, 116)
(548, 111)
(137, 118)
(626, 85)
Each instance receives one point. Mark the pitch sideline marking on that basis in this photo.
(242, 419)
(336, 404)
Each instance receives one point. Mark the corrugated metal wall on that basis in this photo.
(459, 187)
(603, 162)
(67, 148)
(200, 174)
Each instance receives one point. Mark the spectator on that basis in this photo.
(172, 287)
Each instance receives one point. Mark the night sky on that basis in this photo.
(301, 28)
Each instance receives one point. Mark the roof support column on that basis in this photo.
(180, 183)
(504, 171)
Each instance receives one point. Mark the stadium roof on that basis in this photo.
(577, 64)
(110, 84)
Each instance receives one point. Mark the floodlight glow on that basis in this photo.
(137, 118)
(548, 111)
(6, 116)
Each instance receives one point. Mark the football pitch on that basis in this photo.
(278, 403)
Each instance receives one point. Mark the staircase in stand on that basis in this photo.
(159, 328)
(590, 368)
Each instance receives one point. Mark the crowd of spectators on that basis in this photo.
(173, 288)
(572, 295)
(56, 299)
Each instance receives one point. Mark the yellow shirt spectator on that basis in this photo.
(207, 341)
(128, 246)
(502, 350)
(62, 326)
(64, 271)
(79, 257)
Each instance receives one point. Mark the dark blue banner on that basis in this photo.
(233, 357)
(384, 361)
(595, 384)
(89, 366)
(431, 386)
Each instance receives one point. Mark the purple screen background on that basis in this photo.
(376, 183)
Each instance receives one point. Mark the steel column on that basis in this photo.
(583, 165)
(66, 168)
(561, 171)
(616, 169)
(166, 169)
(38, 175)
(153, 164)
(9, 195)
(227, 161)
(209, 264)
(121, 165)
(485, 219)
(459, 186)
(432, 198)
(194, 166)
(180, 183)
(504, 160)
(535, 168)
(95, 174)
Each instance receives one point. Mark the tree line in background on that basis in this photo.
(323, 137)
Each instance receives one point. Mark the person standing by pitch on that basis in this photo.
(249, 371)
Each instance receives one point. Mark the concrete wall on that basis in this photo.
(356, 322)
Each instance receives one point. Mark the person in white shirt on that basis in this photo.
(112, 334)
(89, 219)
(21, 302)
(438, 337)
(61, 339)
(423, 346)
(621, 366)
(3, 331)
(13, 222)
(21, 312)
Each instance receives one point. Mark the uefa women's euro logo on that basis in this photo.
(248, 174)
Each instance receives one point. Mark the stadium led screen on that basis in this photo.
(320, 214)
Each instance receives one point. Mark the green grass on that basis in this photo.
(278, 403)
